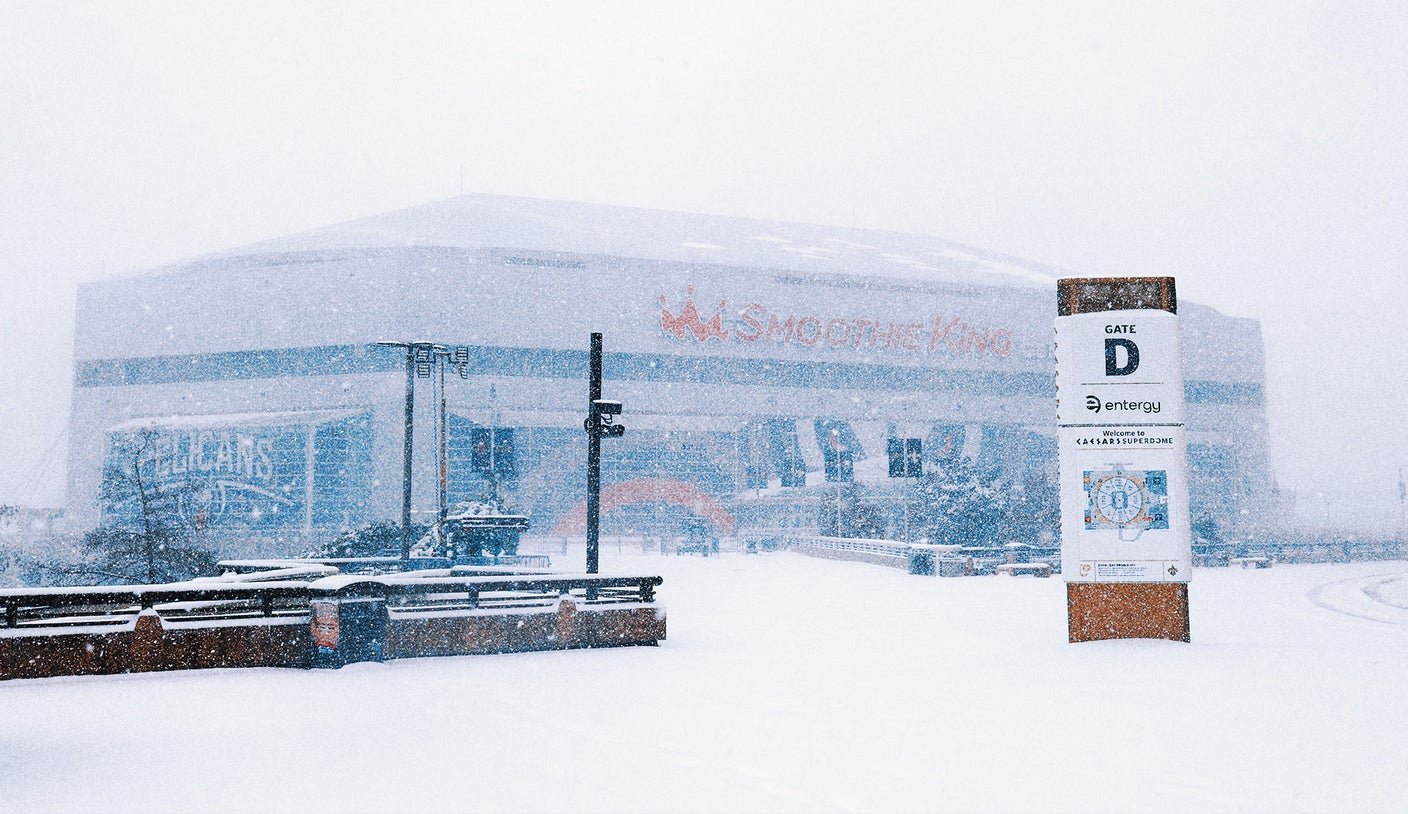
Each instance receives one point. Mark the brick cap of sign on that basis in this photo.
(1085, 295)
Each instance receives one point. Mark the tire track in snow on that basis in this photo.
(1362, 598)
(1376, 592)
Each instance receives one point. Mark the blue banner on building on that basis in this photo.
(244, 475)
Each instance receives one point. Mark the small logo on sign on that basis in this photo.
(1092, 403)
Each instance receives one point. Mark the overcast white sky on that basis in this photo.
(1255, 151)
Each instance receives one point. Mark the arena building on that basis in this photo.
(761, 364)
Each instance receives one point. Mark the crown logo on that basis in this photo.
(688, 320)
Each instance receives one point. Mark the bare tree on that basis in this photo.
(144, 537)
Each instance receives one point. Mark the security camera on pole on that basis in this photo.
(1126, 546)
(600, 422)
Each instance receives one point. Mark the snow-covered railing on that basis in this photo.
(274, 571)
(389, 565)
(336, 563)
(225, 599)
(918, 558)
(876, 552)
(239, 620)
(884, 548)
(1301, 551)
(117, 605)
(410, 592)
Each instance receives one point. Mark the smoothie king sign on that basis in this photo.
(1124, 485)
(758, 322)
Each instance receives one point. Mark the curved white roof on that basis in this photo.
(535, 225)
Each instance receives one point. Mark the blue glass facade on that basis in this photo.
(547, 478)
(547, 363)
(342, 472)
(273, 478)
(318, 475)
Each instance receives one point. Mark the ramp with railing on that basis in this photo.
(877, 552)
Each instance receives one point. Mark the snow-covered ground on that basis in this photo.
(787, 684)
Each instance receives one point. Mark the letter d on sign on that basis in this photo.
(1131, 359)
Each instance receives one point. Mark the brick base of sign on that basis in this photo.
(1127, 610)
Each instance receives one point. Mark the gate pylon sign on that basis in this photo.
(1126, 544)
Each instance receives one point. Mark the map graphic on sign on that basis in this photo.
(1118, 499)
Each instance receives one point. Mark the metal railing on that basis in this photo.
(388, 565)
(881, 548)
(1301, 551)
(72, 607)
(42, 610)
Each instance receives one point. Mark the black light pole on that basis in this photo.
(594, 458)
(494, 446)
(409, 447)
(599, 423)
(442, 454)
